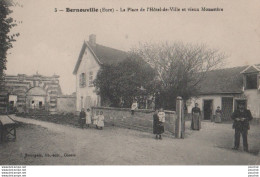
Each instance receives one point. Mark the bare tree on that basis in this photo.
(180, 67)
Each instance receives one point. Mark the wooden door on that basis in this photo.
(227, 107)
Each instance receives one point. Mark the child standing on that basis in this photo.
(95, 119)
(88, 117)
(100, 122)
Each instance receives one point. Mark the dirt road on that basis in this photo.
(44, 143)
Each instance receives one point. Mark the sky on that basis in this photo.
(50, 42)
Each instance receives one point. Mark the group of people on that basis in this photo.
(85, 118)
(241, 117)
(196, 117)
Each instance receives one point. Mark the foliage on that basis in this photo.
(180, 68)
(6, 39)
(123, 82)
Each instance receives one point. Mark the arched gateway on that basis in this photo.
(32, 92)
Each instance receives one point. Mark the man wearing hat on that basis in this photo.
(241, 118)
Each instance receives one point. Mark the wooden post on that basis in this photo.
(179, 126)
(182, 121)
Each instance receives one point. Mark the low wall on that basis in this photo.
(141, 120)
(66, 104)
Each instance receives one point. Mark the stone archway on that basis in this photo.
(28, 85)
(36, 98)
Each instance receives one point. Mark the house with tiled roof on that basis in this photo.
(91, 57)
(226, 88)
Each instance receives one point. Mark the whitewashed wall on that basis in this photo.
(216, 102)
(87, 64)
(253, 102)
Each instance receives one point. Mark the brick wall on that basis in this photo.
(141, 120)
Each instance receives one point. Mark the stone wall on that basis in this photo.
(66, 104)
(141, 120)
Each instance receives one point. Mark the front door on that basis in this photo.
(227, 107)
(207, 109)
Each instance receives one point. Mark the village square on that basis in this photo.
(38, 109)
(81, 95)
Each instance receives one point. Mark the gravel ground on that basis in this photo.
(45, 143)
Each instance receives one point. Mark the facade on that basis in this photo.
(27, 93)
(226, 88)
(91, 57)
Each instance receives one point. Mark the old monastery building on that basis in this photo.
(31, 92)
(91, 57)
(227, 87)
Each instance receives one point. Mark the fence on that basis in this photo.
(141, 120)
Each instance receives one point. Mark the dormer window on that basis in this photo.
(251, 81)
(82, 80)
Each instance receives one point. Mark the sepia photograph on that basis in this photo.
(150, 82)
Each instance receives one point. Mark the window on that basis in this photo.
(251, 81)
(90, 79)
(82, 80)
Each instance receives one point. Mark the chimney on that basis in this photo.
(92, 39)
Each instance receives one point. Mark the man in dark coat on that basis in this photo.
(241, 118)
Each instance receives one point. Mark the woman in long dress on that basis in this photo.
(196, 118)
(218, 115)
(82, 117)
(88, 117)
(100, 121)
(158, 123)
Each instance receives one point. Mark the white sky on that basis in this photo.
(50, 42)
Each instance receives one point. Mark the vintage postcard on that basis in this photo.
(151, 82)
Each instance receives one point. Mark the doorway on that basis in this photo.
(227, 107)
(207, 109)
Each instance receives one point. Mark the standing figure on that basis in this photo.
(82, 118)
(134, 107)
(95, 119)
(241, 118)
(218, 116)
(100, 121)
(158, 123)
(196, 117)
(88, 117)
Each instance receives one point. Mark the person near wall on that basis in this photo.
(241, 118)
(158, 123)
(218, 115)
(134, 107)
(100, 121)
(82, 118)
(88, 117)
(95, 119)
(196, 117)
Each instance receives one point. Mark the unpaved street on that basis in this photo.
(53, 144)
